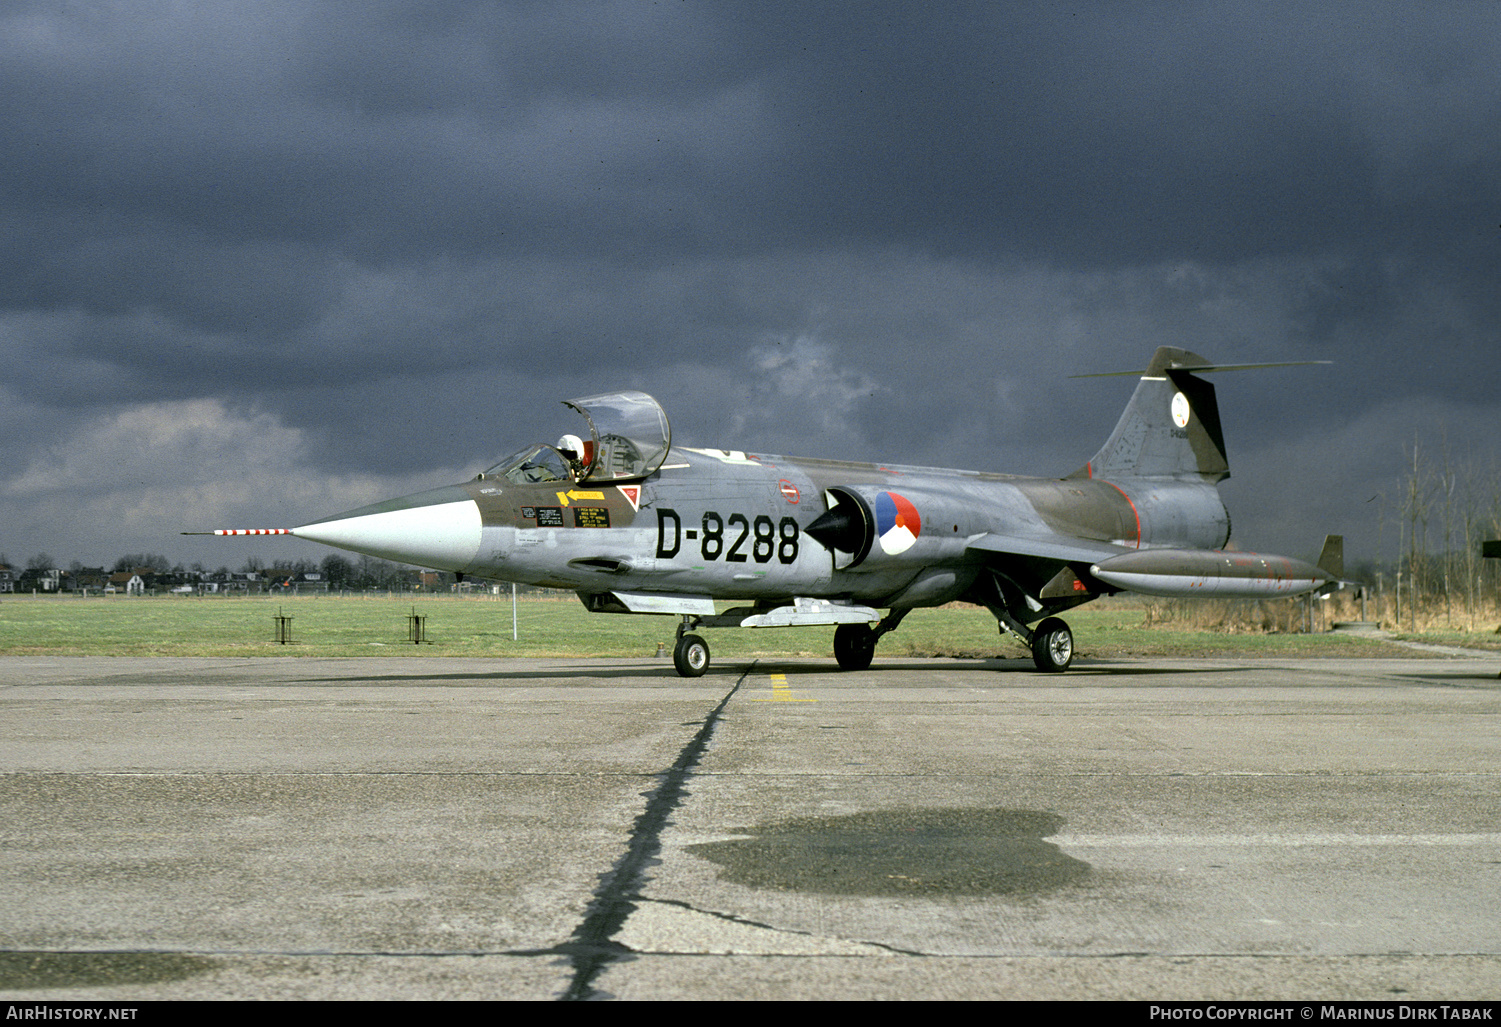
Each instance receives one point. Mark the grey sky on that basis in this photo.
(266, 262)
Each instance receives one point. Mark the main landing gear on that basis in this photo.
(1052, 646)
(854, 641)
(1051, 642)
(854, 646)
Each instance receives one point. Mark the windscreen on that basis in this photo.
(530, 466)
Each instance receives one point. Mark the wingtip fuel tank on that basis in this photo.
(1189, 573)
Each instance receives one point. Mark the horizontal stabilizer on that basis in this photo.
(1171, 426)
(1203, 368)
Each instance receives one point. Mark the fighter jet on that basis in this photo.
(634, 524)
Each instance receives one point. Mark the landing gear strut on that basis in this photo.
(1051, 642)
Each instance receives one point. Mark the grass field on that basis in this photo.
(560, 626)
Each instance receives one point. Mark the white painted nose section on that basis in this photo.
(442, 536)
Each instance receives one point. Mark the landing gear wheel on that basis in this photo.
(854, 645)
(1052, 646)
(691, 656)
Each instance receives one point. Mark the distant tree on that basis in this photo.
(252, 565)
(377, 573)
(130, 561)
(337, 570)
(41, 562)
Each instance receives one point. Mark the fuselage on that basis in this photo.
(633, 524)
(733, 525)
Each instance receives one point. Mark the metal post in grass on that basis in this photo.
(514, 635)
(283, 628)
(416, 628)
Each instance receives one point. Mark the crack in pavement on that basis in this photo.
(592, 946)
(851, 946)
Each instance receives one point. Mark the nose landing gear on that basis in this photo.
(691, 654)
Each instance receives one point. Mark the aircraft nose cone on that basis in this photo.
(439, 528)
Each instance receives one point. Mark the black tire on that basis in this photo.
(691, 656)
(1052, 646)
(854, 645)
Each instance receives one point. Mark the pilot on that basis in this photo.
(572, 448)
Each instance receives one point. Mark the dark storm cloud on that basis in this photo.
(397, 132)
(1087, 134)
(1138, 132)
(1084, 135)
(397, 233)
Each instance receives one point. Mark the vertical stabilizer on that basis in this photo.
(1332, 557)
(1170, 429)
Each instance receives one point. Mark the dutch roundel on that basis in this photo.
(897, 523)
(1180, 410)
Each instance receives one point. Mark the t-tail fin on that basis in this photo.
(1171, 427)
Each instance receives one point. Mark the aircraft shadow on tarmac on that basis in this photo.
(799, 668)
(1002, 665)
(1469, 677)
(613, 671)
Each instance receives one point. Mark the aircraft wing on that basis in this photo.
(1066, 550)
(1169, 572)
(1036, 560)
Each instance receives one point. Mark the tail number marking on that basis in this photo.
(766, 538)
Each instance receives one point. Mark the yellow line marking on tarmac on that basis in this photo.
(781, 691)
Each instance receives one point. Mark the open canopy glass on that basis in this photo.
(628, 438)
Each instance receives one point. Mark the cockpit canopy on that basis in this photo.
(628, 438)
